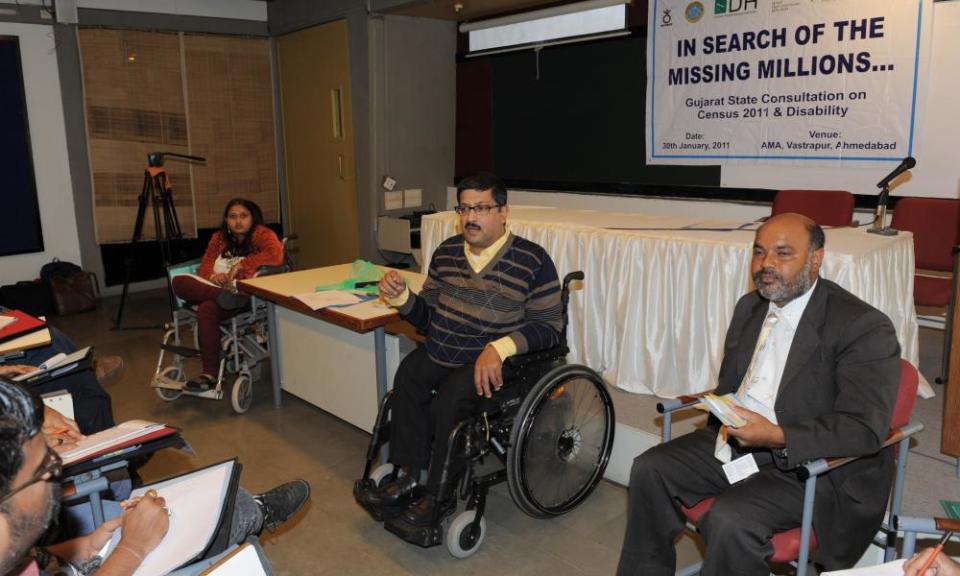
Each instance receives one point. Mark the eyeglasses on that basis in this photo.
(480, 209)
(50, 469)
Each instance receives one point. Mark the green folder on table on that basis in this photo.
(951, 508)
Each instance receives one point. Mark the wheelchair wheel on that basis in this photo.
(560, 442)
(463, 538)
(172, 372)
(380, 473)
(241, 396)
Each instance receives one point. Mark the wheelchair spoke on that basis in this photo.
(561, 442)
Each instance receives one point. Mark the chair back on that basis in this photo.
(825, 207)
(174, 270)
(906, 395)
(935, 224)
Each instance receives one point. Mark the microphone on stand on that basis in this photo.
(908, 163)
(879, 226)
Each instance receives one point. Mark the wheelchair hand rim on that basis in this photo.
(579, 440)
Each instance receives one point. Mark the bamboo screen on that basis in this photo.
(230, 103)
(135, 85)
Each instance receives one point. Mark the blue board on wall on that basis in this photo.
(20, 231)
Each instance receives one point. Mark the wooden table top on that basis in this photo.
(364, 317)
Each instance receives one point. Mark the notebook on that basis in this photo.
(58, 365)
(247, 560)
(201, 506)
(110, 440)
(14, 324)
(32, 340)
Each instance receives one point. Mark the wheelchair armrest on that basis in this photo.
(519, 361)
(681, 402)
(821, 465)
(926, 525)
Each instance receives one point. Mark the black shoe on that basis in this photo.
(427, 512)
(282, 502)
(201, 383)
(399, 492)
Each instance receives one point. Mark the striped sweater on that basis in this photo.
(517, 295)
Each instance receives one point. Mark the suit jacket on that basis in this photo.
(836, 398)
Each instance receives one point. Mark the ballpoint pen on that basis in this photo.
(933, 556)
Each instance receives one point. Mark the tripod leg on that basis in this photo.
(164, 233)
(170, 212)
(145, 194)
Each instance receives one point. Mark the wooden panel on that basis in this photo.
(230, 103)
(319, 156)
(950, 433)
(134, 105)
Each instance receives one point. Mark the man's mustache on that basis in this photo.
(471, 226)
(769, 271)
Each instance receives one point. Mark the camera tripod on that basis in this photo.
(158, 194)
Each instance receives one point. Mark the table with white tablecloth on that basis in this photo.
(660, 291)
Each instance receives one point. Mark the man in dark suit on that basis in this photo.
(819, 371)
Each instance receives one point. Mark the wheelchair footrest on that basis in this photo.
(424, 536)
(212, 394)
(378, 513)
(161, 381)
(185, 351)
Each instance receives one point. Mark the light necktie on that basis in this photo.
(722, 451)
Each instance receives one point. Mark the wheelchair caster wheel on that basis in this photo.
(380, 473)
(241, 396)
(463, 538)
(172, 373)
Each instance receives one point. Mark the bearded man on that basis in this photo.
(816, 371)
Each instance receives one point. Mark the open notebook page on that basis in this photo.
(195, 501)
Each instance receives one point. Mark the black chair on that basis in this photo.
(549, 432)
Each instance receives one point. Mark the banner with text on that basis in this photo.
(781, 80)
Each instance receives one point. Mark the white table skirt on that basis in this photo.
(657, 299)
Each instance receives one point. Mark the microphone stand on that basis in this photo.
(879, 221)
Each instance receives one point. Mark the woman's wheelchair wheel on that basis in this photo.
(173, 372)
(241, 396)
(463, 538)
(560, 442)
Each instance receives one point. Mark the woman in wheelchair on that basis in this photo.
(242, 245)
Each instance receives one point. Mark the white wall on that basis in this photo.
(48, 139)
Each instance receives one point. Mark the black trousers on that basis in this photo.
(736, 530)
(421, 422)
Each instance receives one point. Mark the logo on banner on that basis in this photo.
(721, 7)
(667, 18)
(694, 12)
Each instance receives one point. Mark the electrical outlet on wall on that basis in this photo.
(412, 197)
(393, 200)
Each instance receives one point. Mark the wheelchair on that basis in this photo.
(548, 434)
(243, 346)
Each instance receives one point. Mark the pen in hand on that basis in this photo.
(936, 552)
(131, 503)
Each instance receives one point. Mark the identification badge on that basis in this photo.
(740, 469)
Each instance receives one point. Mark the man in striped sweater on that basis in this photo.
(489, 295)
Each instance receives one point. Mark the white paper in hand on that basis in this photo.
(722, 408)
